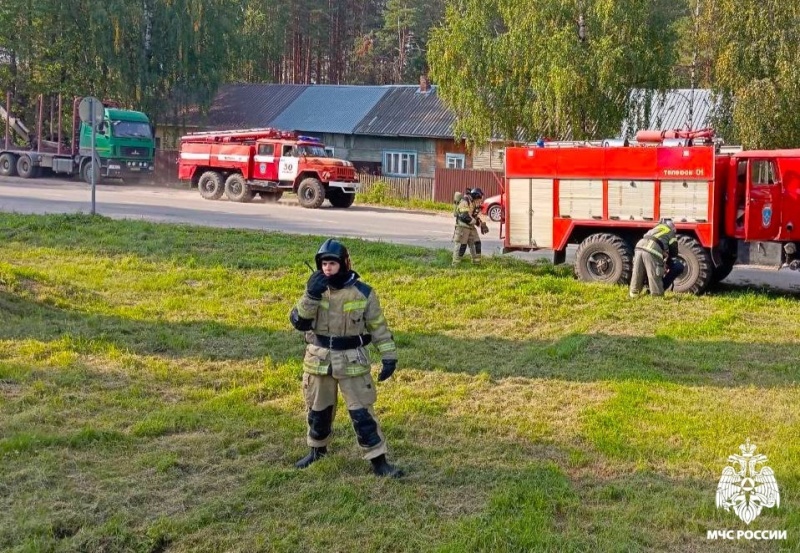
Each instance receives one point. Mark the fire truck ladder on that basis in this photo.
(240, 135)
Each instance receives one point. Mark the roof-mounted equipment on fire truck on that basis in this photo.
(240, 135)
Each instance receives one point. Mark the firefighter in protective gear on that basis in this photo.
(655, 252)
(467, 222)
(340, 316)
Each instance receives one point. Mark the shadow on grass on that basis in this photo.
(575, 357)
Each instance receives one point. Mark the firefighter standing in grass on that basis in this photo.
(656, 257)
(467, 219)
(341, 315)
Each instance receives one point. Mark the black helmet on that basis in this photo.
(476, 193)
(333, 249)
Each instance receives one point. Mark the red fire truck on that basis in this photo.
(243, 163)
(740, 208)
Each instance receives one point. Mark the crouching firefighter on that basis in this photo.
(467, 214)
(656, 257)
(341, 316)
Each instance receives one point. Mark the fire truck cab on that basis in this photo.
(243, 163)
(741, 208)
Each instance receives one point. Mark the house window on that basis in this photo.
(400, 164)
(454, 161)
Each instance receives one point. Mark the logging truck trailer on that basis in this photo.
(124, 144)
(267, 162)
(729, 209)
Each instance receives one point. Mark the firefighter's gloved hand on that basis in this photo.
(484, 228)
(389, 365)
(316, 285)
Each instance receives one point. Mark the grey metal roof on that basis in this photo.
(669, 110)
(250, 105)
(405, 111)
(329, 108)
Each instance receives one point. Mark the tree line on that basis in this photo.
(507, 68)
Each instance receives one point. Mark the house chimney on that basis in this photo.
(424, 85)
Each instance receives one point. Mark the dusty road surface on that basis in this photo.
(173, 205)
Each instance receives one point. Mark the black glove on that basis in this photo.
(484, 228)
(316, 285)
(389, 365)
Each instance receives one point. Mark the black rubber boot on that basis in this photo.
(381, 467)
(315, 454)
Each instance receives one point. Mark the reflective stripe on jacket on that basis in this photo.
(350, 311)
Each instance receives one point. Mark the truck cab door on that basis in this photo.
(265, 166)
(288, 164)
(763, 200)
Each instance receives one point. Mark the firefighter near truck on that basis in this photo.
(124, 145)
(267, 162)
(728, 208)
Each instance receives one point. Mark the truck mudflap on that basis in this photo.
(347, 187)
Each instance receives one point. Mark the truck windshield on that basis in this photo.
(313, 151)
(130, 129)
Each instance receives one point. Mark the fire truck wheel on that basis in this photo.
(8, 165)
(210, 185)
(338, 198)
(26, 169)
(699, 268)
(721, 272)
(237, 189)
(604, 258)
(311, 193)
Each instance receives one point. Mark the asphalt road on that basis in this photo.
(172, 205)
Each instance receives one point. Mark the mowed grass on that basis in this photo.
(150, 401)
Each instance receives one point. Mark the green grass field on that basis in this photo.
(150, 401)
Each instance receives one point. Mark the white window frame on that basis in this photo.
(400, 163)
(455, 161)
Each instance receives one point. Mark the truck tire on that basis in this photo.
(699, 268)
(26, 169)
(721, 273)
(86, 173)
(237, 189)
(271, 197)
(311, 193)
(604, 258)
(339, 198)
(210, 185)
(8, 165)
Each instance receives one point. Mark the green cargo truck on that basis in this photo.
(124, 145)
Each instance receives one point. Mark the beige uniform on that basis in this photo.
(466, 233)
(345, 321)
(650, 255)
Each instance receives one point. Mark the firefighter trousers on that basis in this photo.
(359, 395)
(463, 238)
(647, 264)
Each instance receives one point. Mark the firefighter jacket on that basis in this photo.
(661, 241)
(467, 212)
(340, 326)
